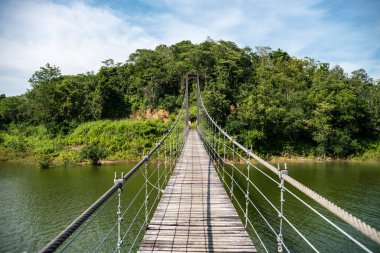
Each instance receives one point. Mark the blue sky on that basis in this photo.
(77, 35)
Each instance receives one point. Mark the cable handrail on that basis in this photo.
(355, 222)
(135, 217)
(118, 183)
(257, 168)
(126, 210)
(136, 237)
(230, 190)
(293, 194)
(271, 204)
(92, 219)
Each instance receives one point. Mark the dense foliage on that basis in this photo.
(94, 153)
(279, 104)
(114, 140)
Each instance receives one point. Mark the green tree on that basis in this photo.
(322, 128)
(266, 98)
(12, 109)
(110, 91)
(61, 102)
(42, 102)
(94, 153)
(45, 75)
(217, 105)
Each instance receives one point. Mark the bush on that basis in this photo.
(94, 153)
(45, 161)
(16, 143)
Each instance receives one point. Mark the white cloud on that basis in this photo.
(76, 37)
(304, 28)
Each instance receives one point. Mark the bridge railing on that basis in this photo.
(238, 166)
(117, 220)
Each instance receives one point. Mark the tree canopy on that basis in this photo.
(279, 104)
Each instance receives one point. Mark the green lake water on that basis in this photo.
(36, 204)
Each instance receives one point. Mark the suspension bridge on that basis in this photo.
(195, 192)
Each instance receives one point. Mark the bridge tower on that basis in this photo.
(188, 79)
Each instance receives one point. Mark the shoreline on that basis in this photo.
(31, 160)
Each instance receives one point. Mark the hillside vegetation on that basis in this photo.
(279, 104)
(119, 140)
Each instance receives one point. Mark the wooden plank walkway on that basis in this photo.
(195, 214)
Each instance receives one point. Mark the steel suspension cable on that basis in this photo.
(125, 211)
(355, 222)
(137, 214)
(263, 195)
(229, 190)
(66, 233)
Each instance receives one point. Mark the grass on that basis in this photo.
(122, 139)
(372, 154)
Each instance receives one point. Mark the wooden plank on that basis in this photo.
(195, 213)
(194, 232)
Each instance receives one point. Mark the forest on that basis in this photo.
(267, 99)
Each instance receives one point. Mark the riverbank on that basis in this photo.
(122, 141)
(62, 160)
(361, 158)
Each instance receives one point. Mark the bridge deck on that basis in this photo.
(195, 214)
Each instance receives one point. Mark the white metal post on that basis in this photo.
(282, 200)
(119, 217)
(146, 190)
(247, 192)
